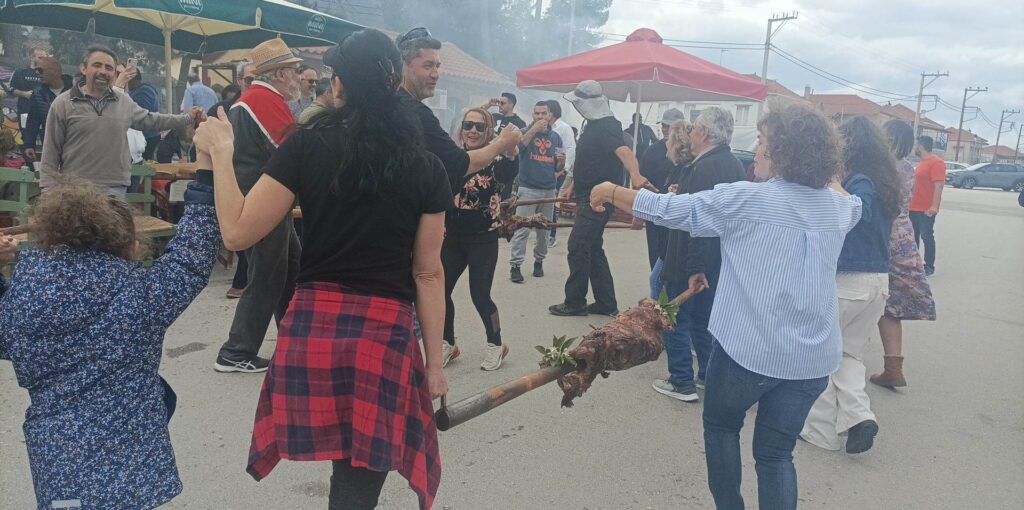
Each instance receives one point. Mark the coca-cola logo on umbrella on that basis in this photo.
(316, 25)
(193, 7)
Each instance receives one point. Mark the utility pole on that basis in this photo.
(920, 94)
(999, 131)
(1017, 150)
(572, 23)
(963, 106)
(538, 12)
(721, 53)
(768, 39)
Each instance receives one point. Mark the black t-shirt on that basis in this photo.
(437, 141)
(27, 80)
(363, 243)
(500, 121)
(596, 161)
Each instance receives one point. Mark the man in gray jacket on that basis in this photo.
(87, 125)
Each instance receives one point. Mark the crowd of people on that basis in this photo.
(793, 271)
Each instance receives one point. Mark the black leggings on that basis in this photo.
(478, 252)
(354, 488)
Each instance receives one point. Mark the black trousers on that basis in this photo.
(151, 144)
(273, 266)
(241, 278)
(354, 488)
(588, 264)
(478, 253)
(924, 228)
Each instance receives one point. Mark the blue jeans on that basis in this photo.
(782, 409)
(690, 334)
(655, 281)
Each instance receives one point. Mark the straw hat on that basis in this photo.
(589, 100)
(272, 54)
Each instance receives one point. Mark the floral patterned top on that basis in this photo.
(478, 203)
(85, 332)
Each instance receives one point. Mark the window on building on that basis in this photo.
(743, 115)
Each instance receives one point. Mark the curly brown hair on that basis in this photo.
(76, 214)
(804, 147)
(680, 134)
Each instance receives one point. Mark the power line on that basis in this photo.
(686, 41)
(698, 46)
(839, 79)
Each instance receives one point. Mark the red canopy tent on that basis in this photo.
(641, 69)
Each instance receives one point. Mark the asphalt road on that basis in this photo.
(954, 438)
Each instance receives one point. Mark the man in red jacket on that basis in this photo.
(262, 121)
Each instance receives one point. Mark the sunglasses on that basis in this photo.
(412, 35)
(469, 125)
(312, 82)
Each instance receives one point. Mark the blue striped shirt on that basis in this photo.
(775, 309)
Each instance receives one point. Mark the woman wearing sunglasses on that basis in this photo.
(471, 241)
(347, 382)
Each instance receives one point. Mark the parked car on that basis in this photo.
(988, 175)
(954, 166)
(747, 159)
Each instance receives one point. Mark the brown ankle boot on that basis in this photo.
(892, 377)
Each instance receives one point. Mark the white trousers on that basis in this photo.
(844, 403)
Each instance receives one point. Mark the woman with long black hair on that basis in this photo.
(862, 285)
(347, 382)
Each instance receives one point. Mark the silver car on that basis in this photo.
(1006, 176)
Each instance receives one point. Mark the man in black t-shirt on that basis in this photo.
(601, 155)
(24, 81)
(506, 116)
(421, 55)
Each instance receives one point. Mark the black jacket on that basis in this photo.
(658, 169)
(685, 255)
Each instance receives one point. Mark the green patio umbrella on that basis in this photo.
(190, 26)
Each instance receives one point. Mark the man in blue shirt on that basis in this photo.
(540, 158)
(146, 96)
(198, 94)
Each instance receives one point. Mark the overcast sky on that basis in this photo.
(882, 44)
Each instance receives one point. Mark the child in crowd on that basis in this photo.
(84, 326)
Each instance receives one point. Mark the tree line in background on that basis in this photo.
(504, 34)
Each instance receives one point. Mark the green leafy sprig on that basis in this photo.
(558, 354)
(665, 304)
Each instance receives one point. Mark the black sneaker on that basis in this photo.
(538, 270)
(597, 309)
(516, 275)
(564, 311)
(252, 365)
(861, 437)
(929, 271)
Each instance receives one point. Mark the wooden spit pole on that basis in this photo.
(468, 408)
(15, 230)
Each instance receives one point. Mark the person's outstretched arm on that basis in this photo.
(244, 219)
(183, 271)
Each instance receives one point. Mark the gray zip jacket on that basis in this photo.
(87, 138)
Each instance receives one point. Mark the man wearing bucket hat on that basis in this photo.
(601, 155)
(262, 120)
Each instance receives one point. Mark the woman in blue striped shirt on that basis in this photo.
(775, 313)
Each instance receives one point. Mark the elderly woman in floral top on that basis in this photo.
(84, 326)
(471, 241)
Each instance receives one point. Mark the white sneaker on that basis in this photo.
(495, 355)
(448, 353)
